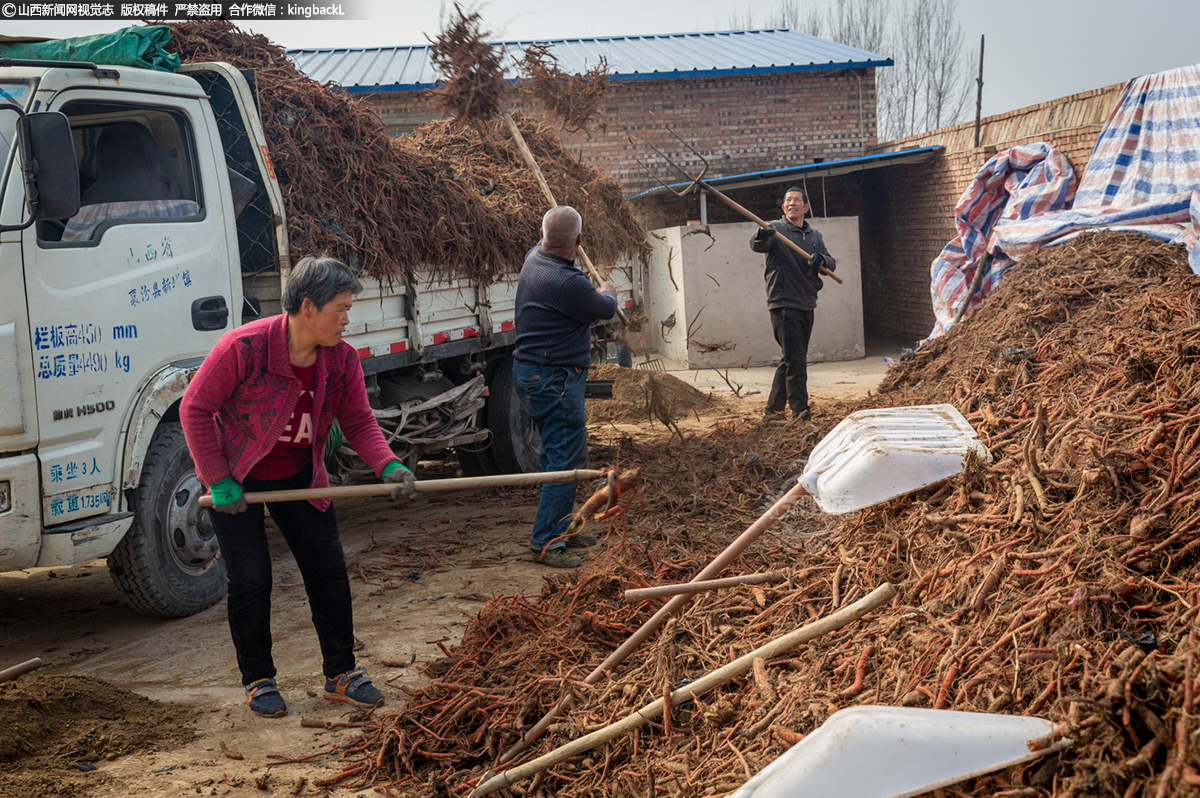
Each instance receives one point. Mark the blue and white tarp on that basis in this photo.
(1143, 176)
(1015, 184)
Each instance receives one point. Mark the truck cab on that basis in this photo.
(105, 316)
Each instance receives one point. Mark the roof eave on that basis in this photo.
(690, 73)
(826, 168)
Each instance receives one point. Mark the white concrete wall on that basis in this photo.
(719, 289)
(664, 297)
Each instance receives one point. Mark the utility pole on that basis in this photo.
(979, 91)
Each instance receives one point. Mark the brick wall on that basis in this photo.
(908, 211)
(740, 123)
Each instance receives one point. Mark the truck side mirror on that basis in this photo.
(57, 173)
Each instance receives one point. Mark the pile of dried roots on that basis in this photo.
(484, 160)
(1060, 579)
(449, 199)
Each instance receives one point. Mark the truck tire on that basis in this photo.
(516, 444)
(168, 565)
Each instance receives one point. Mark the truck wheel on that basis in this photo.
(516, 444)
(168, 564)
(477, 459)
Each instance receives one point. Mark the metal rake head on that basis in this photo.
(694, 182)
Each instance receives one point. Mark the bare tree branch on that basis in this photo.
(929, 86)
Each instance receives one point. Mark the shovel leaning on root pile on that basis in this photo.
(870, 457)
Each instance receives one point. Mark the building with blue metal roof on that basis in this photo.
(650, 57)
(751, 100)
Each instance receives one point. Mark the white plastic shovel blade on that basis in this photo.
(874, 455)
(895, 752)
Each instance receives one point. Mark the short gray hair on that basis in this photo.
(319, 278)
(560, 226)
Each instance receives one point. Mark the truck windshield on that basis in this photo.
(12, 96)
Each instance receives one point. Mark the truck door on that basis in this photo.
(139, 279)
(20, 524)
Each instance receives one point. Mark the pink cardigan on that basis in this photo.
(238, 404)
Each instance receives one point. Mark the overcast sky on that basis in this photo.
(1036, 50)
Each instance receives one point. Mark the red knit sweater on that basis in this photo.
(243, 396)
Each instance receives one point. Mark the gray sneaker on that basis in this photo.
(558, 558)
(583, 540)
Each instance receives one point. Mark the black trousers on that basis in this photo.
(313, 538)
(793, 329)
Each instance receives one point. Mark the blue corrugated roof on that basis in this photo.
(674, 55)
(822, 169)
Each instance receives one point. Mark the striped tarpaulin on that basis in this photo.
(1143, 176)
(1015, 184)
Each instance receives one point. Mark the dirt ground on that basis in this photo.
(82, 724)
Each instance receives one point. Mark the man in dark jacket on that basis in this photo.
(555, 307)
(792, 286)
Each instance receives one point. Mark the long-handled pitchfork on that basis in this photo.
(698, 183)
(531, 162)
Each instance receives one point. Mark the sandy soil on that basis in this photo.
(417, 573)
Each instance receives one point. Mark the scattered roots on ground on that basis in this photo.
(1059, 580)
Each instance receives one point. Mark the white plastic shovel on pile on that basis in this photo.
(896, 752)
(874, 455)
(871, 456)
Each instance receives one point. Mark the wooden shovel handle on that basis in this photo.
(9, 674)
(640, 593)
(423, 486)
(779, 236)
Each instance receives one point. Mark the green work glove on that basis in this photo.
(406, 483)
(334, 441)
(227, 496)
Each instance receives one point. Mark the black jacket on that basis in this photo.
(791, 281)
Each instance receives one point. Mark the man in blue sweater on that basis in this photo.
(556, 305)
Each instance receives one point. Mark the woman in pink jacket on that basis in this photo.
(257, 416)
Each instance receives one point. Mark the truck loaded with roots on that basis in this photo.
(145, 211)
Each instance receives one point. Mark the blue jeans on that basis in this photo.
(553, 398)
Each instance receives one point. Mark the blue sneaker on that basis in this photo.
(353, 687)
(264, 699)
